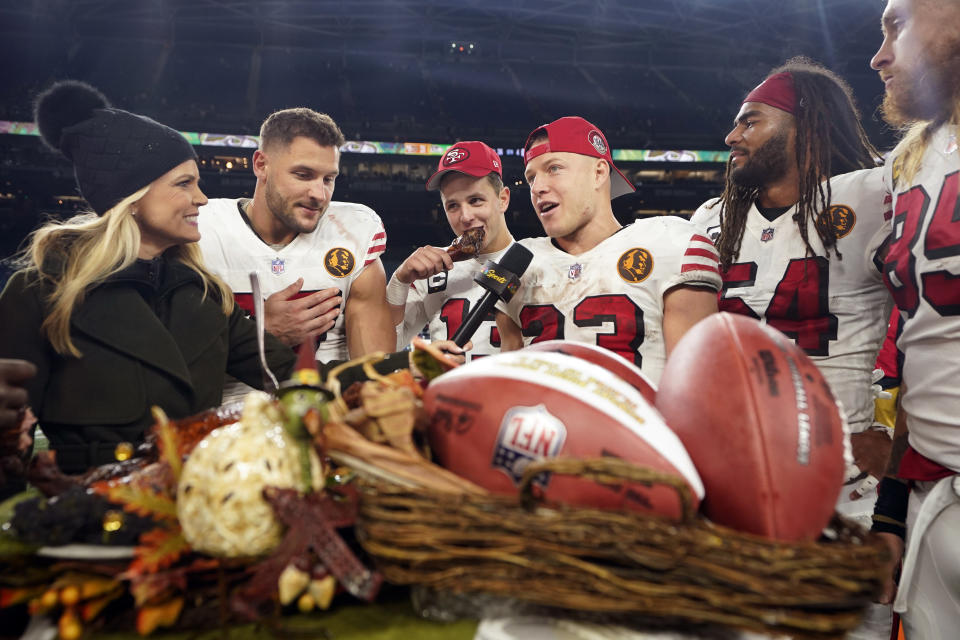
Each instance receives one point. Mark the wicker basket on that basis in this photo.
(620, 566)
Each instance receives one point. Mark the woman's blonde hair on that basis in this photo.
(77, 255)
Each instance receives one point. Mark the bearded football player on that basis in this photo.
(803, 205)
(316, 256)
(919, 64)
(800, 215)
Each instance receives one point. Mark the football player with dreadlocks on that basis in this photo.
(800, 217)
(803, 205)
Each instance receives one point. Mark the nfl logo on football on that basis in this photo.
(276, 266)
(527, 434)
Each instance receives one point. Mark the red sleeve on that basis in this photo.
(890, 357)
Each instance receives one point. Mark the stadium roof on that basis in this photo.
(711, 33)
(655, 70)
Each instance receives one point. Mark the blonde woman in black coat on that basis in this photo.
(116, 309)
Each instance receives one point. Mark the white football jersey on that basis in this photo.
(612, 295)
(444, 300)
(836, 310)
(347, 239)
(922, 270)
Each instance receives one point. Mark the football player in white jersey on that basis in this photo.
(803, 205)
(315, 256)
(634, 290)
(429, 288)
(802, 211)
(918, 64)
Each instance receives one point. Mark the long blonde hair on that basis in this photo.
(77, 255)
(909, 151)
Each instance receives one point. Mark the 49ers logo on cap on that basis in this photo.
(596, 141)
(455, 155)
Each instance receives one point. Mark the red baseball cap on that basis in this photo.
(573, 134)
(471, 157)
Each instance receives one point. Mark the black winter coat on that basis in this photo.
(148, 337)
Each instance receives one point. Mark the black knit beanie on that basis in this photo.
(114, 152)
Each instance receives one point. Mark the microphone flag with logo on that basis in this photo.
(501, 280)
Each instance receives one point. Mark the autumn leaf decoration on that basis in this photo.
(153, 495)
(143, 501)
(158, 549)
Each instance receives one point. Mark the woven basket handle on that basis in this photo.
(606, 471)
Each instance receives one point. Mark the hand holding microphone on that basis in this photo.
(501, 281)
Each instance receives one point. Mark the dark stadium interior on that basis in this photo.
(653, 75)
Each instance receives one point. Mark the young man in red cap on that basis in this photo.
(634, 290)
(429, 288)
(918, 64)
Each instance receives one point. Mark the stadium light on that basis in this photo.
(463, 48)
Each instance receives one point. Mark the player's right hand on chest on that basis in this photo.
(293, 316)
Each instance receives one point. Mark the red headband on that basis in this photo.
(777, 91)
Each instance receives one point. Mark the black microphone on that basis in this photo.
(501, 280)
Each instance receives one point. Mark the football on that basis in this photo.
(493, 416)
(761, 425)
(612, 362)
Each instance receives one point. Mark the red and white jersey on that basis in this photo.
(444, 300)
(612, 295)
(835, 310)
(347, 239)
(922, 270)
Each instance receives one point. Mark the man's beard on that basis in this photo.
(765, 165)
(931, 92)
(284, 212)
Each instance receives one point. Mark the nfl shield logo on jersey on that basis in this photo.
(527, 434)
(276, 266)
(766, 235)
(574, 271)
